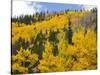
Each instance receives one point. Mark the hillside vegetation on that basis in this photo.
(54, 42)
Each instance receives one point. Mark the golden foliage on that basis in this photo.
(21, 58)
(81, 55)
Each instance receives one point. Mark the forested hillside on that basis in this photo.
(54, 42)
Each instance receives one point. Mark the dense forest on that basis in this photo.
(54, 42)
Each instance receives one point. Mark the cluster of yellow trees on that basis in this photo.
(43, 46)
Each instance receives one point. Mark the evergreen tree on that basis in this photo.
(70, 33)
